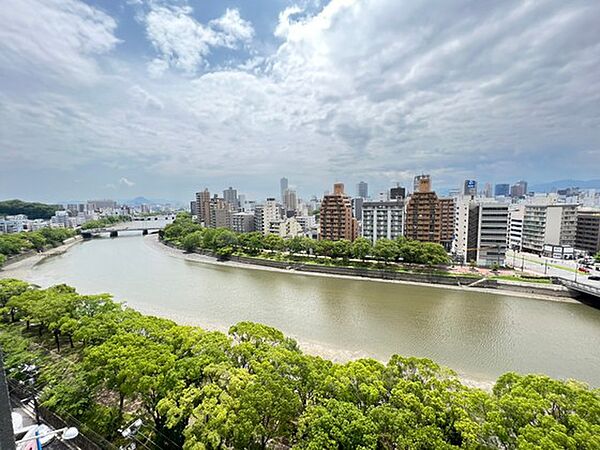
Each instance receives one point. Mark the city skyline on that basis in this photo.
(156, 98)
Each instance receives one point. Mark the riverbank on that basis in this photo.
(548, 293)
(20, 266)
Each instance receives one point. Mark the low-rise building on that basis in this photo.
(286, 228)
(243, 222)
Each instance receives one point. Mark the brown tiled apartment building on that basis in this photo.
(336, 216)
(428, 217)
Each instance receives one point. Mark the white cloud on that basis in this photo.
(125, 182)
(184, 43)
(58, 38)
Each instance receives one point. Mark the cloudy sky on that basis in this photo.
(107, 98)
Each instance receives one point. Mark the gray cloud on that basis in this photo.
(371, 88)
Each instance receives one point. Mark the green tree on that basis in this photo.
(273, 242)
(252, 242)
(361, 248)
(597, 257)
(342, 249)
(335, 425)
(192, 241)
(385, 249)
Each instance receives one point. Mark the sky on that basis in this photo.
(115, 99)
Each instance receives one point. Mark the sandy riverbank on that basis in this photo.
(22, 268)
(195, 257)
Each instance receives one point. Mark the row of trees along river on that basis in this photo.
(185, 233)
(252, 388)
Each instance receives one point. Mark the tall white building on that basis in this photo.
(550, 224)
(481, 229)
(516, 214)
(382, 219)
(266, 214)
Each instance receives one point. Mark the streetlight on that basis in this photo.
(68, 433)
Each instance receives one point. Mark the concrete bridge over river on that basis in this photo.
(145, 225)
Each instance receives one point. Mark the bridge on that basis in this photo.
(145, 225)
(581, 288)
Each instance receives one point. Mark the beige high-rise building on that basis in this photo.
(203, 207)
(336, 219)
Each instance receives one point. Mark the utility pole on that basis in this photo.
(7, 434)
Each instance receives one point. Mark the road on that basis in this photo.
(551, 267)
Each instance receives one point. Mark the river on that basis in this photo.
(477, 334)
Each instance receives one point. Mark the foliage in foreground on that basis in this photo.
(190, 236)
(252, 388)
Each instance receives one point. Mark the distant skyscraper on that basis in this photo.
(362, 190)
(487, 190)
(519, 189)
(231, 197)
(469, 188)
(283, 185)
(290, 200)
(502, 190)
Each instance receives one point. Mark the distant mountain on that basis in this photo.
(137, 201)
(552, 186)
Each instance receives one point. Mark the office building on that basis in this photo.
(469, 188)
(336, 221)
(382, 219)
(231, 197)
(283, 185)
(362, 190)
(549, 224)
(203, 207)
(480, 231)
(194, 208)
(587, 237)
(502, 190)
(242, 222)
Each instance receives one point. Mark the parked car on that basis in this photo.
(594, 277)
(584, 270)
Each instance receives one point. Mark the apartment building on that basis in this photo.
(242, 222)
(336, 220)
(382, 219)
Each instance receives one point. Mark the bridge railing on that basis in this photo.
(580, 286)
